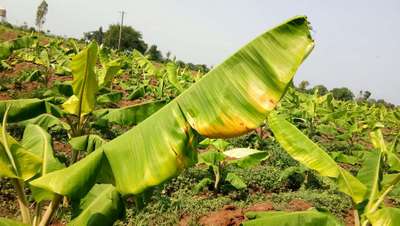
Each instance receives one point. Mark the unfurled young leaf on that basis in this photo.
(84, 83)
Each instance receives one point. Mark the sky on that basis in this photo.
(357, 42)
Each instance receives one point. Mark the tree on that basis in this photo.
(97, 36)
(366, 94)
(154, 53)
(41, 14)
(322, 90)
(303, 85)
(342, 93)
(130, 39)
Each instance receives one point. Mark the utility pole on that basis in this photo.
(120, 28)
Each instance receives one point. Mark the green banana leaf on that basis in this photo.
(370, 174)
(8, 222)
(144, 63)
(230, 100)
(301, 148)
(23, 109)
(130, 115)
(172, 70)
(15, 160)
(84, 83)
(6, 48)
(235, 181)
(303, 218)
(38, 141)
(100, 207)
(45, 121)
(112, 97)
(110, 69)
(86, 143)
(385, 217)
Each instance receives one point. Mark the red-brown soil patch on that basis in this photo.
(298, 205)
(349, 218)
(62, 148)
(4, 96)
(8, 35)
(265, 206)
(229, 215)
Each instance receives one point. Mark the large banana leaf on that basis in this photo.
(144, 63)
(38, 141)
(45, 121)
(15, 160)
(23, 109)
(385, 217)
(303, 218)
(6, 48)
(86, 143)
(129, 115)
(231, 100)
(172, 71)
(108, 71)
(100, 207)
(301, 148)
(370, 174)
(84, 83)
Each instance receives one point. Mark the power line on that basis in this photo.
(120, 28)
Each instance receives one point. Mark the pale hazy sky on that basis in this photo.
(357, 42)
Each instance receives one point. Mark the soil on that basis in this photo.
(298, 205)
(349, 218)
(60, 147)
(4, 96)
(8, 35)
(228, 216)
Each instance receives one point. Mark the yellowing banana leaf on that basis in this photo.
(100, 207)
(301, 148)
(84, 83)
(129, 115)
(303, 218)
(232, 99)
(385, 217)
(351, 186)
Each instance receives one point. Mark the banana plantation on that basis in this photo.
(94, 136)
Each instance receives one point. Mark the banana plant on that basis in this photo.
(367, 190)
(21, 161)
(230, 100)
(217, 162)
